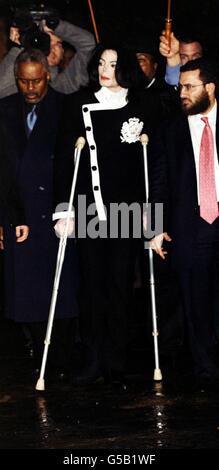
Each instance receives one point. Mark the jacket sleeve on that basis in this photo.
(10, 205)
(158, 180)
(7, 82)
(75, 75)
(172, 74)
(72, 127)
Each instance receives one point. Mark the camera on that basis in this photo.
(28, 21)
(41, 12)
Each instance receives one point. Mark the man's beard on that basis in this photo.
(201, 105)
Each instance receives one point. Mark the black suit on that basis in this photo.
(195, 243)
(167, 96)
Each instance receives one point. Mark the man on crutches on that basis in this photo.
(110, 179)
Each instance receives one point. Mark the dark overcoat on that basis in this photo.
(30, 266)
(10, 204)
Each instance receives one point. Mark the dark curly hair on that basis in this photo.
(128, 73)
(207, 70)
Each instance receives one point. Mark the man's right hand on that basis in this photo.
(157, 244)
(45, 28)
(170, 52)
(60, 227)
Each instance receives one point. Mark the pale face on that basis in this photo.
(190, 51)
(106, 70)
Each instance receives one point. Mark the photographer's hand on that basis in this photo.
(45, 28)
(15, 35)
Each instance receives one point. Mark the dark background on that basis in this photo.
(119, 19)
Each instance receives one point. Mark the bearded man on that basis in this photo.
(184, 175)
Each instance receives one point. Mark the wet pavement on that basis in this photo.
(171, 414)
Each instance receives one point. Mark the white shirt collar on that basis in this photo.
(104, 95)
(212, 115)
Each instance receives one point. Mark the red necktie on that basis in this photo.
(207, 186)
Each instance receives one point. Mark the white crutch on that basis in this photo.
(157, 371)
(59, 262)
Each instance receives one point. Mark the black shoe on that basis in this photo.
(118, 380)
(36, 372)
(87, 379)
(62, 376)
(58, 373)
(29, 349)
(90, 375)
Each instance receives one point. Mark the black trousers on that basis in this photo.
(107, 272)
(200, 292)
(61, 345)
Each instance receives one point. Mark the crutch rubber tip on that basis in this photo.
(144, 139)
(157, 374)
(40, 384)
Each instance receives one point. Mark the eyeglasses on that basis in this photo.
(189, 87)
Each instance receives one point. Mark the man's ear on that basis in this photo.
(48, 77)
(210, 87)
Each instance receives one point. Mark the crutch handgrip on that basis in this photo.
(144, 139)
(80, 142)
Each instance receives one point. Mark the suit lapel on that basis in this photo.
(18, 123)
(46, 125)
(188, 157)
(187, 143)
